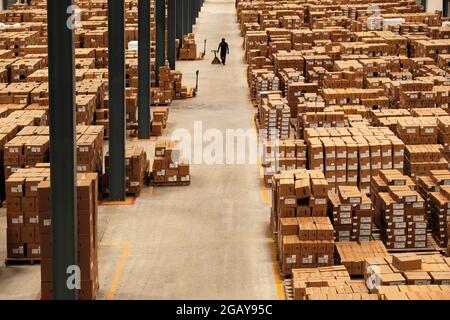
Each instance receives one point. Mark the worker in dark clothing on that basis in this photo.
(224, 50)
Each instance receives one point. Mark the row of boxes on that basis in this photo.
(305, 243)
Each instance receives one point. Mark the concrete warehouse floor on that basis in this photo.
(206, 241)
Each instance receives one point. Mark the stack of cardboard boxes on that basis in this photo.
(421, 130)
(328, 283)
(353, 254)
(436, 192)
(351, 213)
(136, 170)
(160, 116)
(421, 159)
(298, 193)
(168, 166)
(32, 145)
(88, 242)
(283, 155)
(351, 156)
(274, 116)
(23, 236)
(305, 242)
(400, 211)
(405, 277)
(189, 48)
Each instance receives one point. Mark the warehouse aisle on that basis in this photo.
(209, 240)
(206, 241)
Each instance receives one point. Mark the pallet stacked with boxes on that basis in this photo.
(88, 241)
(136, 168)
(405, 277)
(283, 155)
(434, 188)
(169, 168)
(351, 156)
(274, 115)
(305, 242)
(351, 213)
(400, 211)
(188, 51)
(353, 255)
(328, 283)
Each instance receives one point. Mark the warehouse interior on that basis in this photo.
(221, 230)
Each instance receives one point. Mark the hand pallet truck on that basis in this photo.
(216, 59)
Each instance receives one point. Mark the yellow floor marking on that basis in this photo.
(265, 194)
(128, 202)
(263, 188)
(120, 266)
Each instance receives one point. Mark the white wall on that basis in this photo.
(433, 5)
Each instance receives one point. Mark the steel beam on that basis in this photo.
(116, 31)
(160, 18)
(144, 70)
(61, 57)
(171, 32)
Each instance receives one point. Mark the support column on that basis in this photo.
(144, 70)
(189, 16)
(116, 31)
(61, 56)
(171, 32)
(179, 19)
(197, 13)
(160, 17)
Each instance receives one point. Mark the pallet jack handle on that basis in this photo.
(196, 81)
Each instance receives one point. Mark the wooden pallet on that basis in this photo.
(161, 104)
(21, 261)
(170, 184)
(288, 289)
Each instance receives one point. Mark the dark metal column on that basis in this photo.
(185, 7)
(189, 16)
(445, 8)
(61, 56)
(192, 6)
(144, 70)
(197, 8)
(171, 32)
(160, 18)
(179, 19)
(116, 31)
